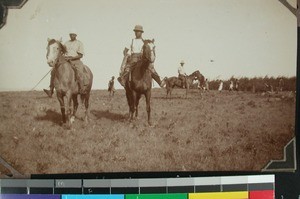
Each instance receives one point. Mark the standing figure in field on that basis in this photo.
(206, 85)
(231, 86)
(237, 84)
(182, 74)
(133, 54)
(111, 86)
(74, 52)
(280, 84)
(220, 86)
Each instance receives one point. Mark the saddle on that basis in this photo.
(82, 78)
(131, 68)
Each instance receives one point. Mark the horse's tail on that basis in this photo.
(168, 83)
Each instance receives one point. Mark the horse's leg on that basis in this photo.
(168, 91)
(138, 97)
(75, 107)
(87, 107)
(148, 96)
(133, 105)
(60, 98)
(69, 108)
(187, 89)
(129, 101)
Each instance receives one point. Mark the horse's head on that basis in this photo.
(198, 76)
(54, 50)
(149, 50)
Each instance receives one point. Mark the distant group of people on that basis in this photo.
(270, 88)
(233, 86)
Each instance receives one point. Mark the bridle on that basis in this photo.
(150, 51)
(58, 61)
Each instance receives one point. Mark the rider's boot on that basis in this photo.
(156, 77)
(50, 92)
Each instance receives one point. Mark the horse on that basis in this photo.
(140, 81)
(65, 83)
(173, 82)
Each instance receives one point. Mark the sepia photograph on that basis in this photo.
(146, 86)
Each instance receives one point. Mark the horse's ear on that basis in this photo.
(153, 40)
(48, 39)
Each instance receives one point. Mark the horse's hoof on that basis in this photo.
(68, 126)
(150, 124)
(72, 119)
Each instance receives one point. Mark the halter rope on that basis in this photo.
(41, 80)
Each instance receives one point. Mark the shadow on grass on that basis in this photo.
(50, 116)
(175, 97)
(43, 97)
(108, 115)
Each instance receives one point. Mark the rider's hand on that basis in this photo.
(68, 58)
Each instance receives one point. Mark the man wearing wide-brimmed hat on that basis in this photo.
(181, 74)
(132, 54)
(74, 52)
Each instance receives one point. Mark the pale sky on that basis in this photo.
(242, 37)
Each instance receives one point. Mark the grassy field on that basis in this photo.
(213, 131)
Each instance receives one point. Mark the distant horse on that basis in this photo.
(173, 82)
(140, 81)
(66, 84)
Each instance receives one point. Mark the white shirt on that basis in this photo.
(136, 46)
(73, 48)
(181, 70)
(221, 86)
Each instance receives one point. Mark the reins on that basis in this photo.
(41, 79)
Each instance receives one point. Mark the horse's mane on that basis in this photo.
(52, 41)
(147, 41)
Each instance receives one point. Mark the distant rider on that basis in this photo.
(181, 74)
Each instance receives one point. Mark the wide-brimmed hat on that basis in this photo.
(73, 31)
(182, 62)
(138, 28)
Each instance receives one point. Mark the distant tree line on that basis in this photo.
(258, 84)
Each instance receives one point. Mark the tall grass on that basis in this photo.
(257, 84)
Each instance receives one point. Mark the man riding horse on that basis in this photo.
(133, 54)
(74, 52)
(181, 74)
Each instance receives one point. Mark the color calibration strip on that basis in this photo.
(233, 187)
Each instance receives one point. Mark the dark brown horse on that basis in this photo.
(65, 82)
(173, 82)
(140, 81)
